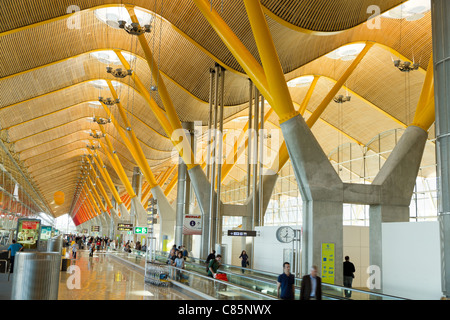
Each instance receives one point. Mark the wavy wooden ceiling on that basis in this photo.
(46, 69)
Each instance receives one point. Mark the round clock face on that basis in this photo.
(285, 234)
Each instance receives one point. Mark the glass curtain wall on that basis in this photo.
(354, 164)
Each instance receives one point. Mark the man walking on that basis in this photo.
(311, 288)
(349, 269)
(285, 283)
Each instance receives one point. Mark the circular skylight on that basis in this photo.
(347, 53)
(110, 57)
(102, 84)
(300, 82)
(111, 16)
(411, 10)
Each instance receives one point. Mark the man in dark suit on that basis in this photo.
(311, 288)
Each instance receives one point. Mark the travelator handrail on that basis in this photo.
(258, 279)
(196, 274)
(254, 292)
(298, 280)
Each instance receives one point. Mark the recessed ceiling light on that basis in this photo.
(300, 82)
(347, 52)
(410, 10)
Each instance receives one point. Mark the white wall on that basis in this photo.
(269, 251)
(411, 266)
(356, 246)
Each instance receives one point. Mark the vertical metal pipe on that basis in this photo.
(212, 211)
(255, 161)
(220, 158)
(440, 9)
(179, 216)
(249, 144)
(208, 146)
(261, 168)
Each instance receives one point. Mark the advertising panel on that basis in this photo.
(28, 232)
(46, 232)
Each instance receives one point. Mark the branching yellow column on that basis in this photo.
(96, 195)
(188, 157)
(338, 85)
(425, 111)
(136, 151)
(100, 166)
(114, 159)
(101, 188)
(251, 67)
(282, 104)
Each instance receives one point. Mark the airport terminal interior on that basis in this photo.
(188, 149)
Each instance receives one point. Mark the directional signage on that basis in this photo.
(140, 230)
(242, 233)
(95, 228)
(124, 227)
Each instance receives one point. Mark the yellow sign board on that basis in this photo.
(328, 263)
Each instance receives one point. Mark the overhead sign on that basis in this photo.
(95, 228)
(328, 263)
(124, 228)
(192, 224)
(242, 233)
(126, 225)
(140, 230)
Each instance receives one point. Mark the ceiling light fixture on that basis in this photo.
(119, 73)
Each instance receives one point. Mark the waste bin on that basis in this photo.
(36, 276)
(55, 244)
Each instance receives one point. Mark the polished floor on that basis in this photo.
(103, 278)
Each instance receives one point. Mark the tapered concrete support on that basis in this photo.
(269, 181)
(396, 181)
(124, 212)
(167, 214)
(114, 214)
(322, 223)
(139, 211)
(322, 194)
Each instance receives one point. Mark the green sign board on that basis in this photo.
(140, 230)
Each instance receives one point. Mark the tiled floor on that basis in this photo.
(103, 278)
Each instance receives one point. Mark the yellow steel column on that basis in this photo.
(99, 163)
(308, 95)
(92, 201)
(101, 188)
(319, 110)
(96, 195)
(251, 67)
(282, 103)
(425, 111)
(161, 116)
(114, 159)
(137, 150)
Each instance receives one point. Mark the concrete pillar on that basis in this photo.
(440, 11)
(322, 194)
(140, 214)
(395, 181)
(167, 215)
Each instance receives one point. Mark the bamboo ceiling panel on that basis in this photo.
(326, 16)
